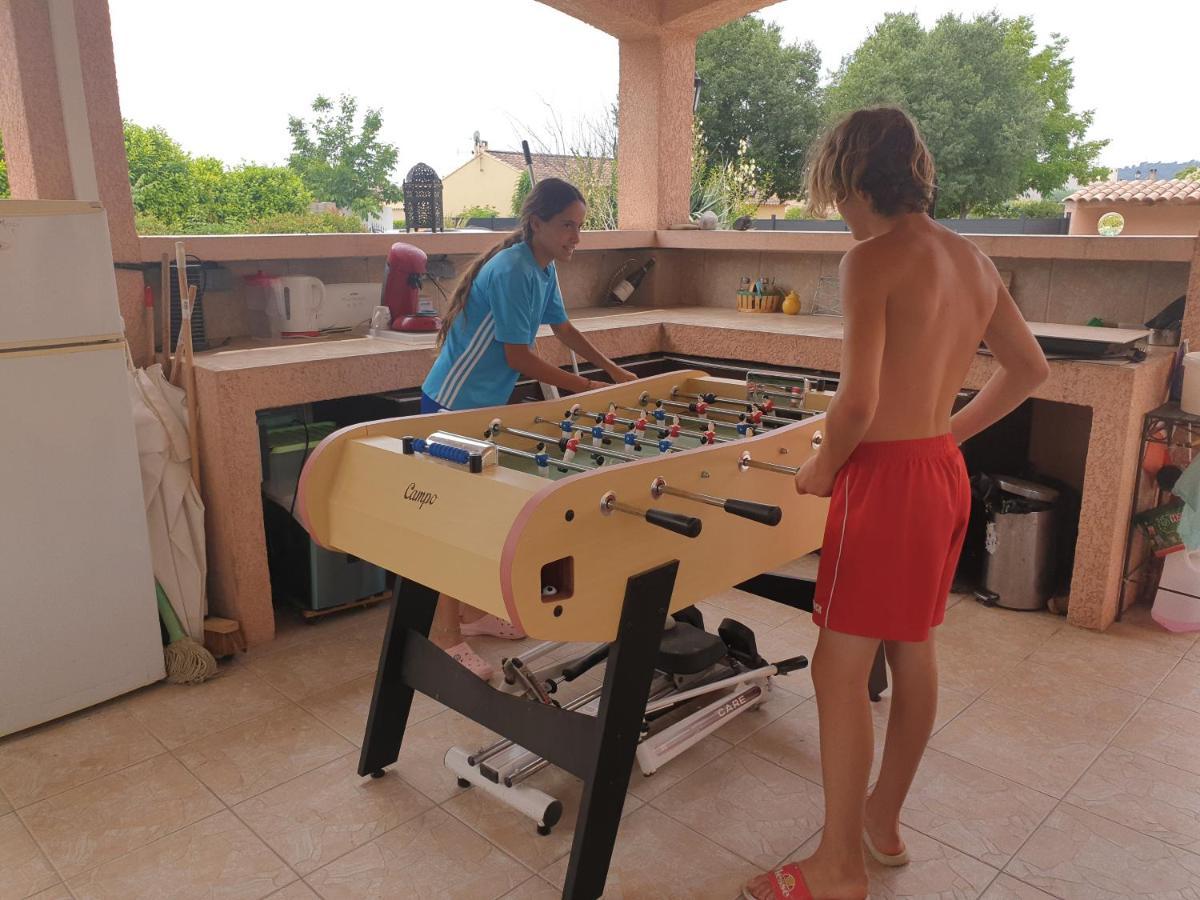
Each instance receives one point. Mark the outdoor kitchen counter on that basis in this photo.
(237, 380)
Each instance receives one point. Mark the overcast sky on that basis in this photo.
(222, 76)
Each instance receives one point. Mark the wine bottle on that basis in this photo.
(626, 286)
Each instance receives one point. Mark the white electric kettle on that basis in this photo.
(296, 302)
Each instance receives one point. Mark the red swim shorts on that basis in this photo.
(897, 519)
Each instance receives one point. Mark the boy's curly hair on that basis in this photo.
(876, 151)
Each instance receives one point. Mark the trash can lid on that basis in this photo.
(1028, 489)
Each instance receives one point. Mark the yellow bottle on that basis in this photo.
(791, 304)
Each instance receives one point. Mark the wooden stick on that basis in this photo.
(148, 323)
(164, 293)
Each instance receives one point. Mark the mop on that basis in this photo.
(187, 660)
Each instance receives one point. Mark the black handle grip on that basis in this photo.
(688, 526)
(593, 659)
(755, 512)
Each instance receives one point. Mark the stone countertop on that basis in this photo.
(235, 381)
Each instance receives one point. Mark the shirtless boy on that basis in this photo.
(917, 299)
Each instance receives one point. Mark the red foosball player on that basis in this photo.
(673, 429)
(756, 416)
(768, 405)
(710, 433)
(640, 425)
(797, 395)
(610, 417)
(699, 407)
(569, 449)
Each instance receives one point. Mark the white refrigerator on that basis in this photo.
(78, 617)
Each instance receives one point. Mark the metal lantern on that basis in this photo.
(422, 199)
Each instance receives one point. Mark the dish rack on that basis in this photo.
(750, 302)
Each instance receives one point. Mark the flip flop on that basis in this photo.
(472, 661)
(787, 883)
(491, 626)
(885, 859)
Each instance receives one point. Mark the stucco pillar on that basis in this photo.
(1190, 330)
(62, 131)
(654, 157)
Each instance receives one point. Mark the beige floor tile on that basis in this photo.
(179, 713)
(1008, 888)
(216, 857)
(319, 665)
(1020, 632)
(972, 665)
(657, 857)
(1083, 707)
(950, 704)
(755, 808)
(647, 787)
(1078, 856)
(434, 855)
(935, 870)
(805, 567)
(793, 741)
(53, 758)
(1026, 749)
(5, 806)
(24, 870)
(751, 610)
(535, 888)
(422, 755)
(515, 833)
(344, 708)
(58, 892)
(972, 810)
(1181, 687)
(1137, 627)
(1158, 800)
(250, 758)
(297, 890)
(119, 813)
(314, 819)
(1193, 655)
(1074, 654)
(1169, 734)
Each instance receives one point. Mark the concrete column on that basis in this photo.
(1190, 331)
(654, 157)
(62, 132)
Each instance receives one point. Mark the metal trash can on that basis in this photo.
(1018, 565)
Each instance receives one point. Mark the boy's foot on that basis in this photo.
(815, 882)
(464, 655)
(492, 626)
(882, 840)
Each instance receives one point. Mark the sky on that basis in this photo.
(223, 76)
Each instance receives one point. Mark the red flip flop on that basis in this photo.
(787, 883)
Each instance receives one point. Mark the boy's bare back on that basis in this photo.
(930, 296)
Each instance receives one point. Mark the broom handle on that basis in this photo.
(167, 612)
(192, 404)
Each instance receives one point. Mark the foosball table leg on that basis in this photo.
(413, 606)
(627, 679)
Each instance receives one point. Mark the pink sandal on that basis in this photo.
(787, 883)
(492, 626)
(472, 661)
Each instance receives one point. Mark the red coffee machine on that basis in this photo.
(402, 276)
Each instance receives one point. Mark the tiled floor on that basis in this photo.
(1065, 764)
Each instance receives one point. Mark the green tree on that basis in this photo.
(967, 84)
(1191, 173)
(4, 191)
(761, 91)
(1063, 150)
(339, 162)
(160, 174)
(520, 192)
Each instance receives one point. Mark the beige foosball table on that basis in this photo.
(590, 518)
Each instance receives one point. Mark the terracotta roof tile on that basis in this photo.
(545, 165)
(1164, 190)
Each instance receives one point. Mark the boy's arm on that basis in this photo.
(1022, 368)
(864, 311)
(574, 340)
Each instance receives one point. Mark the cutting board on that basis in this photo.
(1086, 340)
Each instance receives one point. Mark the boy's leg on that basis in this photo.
(840, 667)
(910, 723)
(445, 629)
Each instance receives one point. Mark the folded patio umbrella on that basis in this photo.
(174, 510)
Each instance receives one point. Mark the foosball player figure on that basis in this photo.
(597, 435)
(744, 428)
(610, 417)
(710, 433)
(542, 458)
(569, 449)
(674, 429)
(631, 440)
(660, 414)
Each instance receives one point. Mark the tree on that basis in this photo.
(967, 85)
(760, 91)
(520, 192)
(336, 162)
(1063, 151)
(160, 175)
(4, 191)
(1191, 173)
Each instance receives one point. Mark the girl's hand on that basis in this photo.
(620, 375)
(814, 479)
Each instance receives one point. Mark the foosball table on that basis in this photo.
(590, 518)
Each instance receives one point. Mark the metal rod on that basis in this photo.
(664, 488)
(749, 463)
(714, 398)
(557, 462)
(684, 431)
(583, 429)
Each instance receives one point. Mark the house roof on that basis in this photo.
(548, 165)
(1164, 190)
